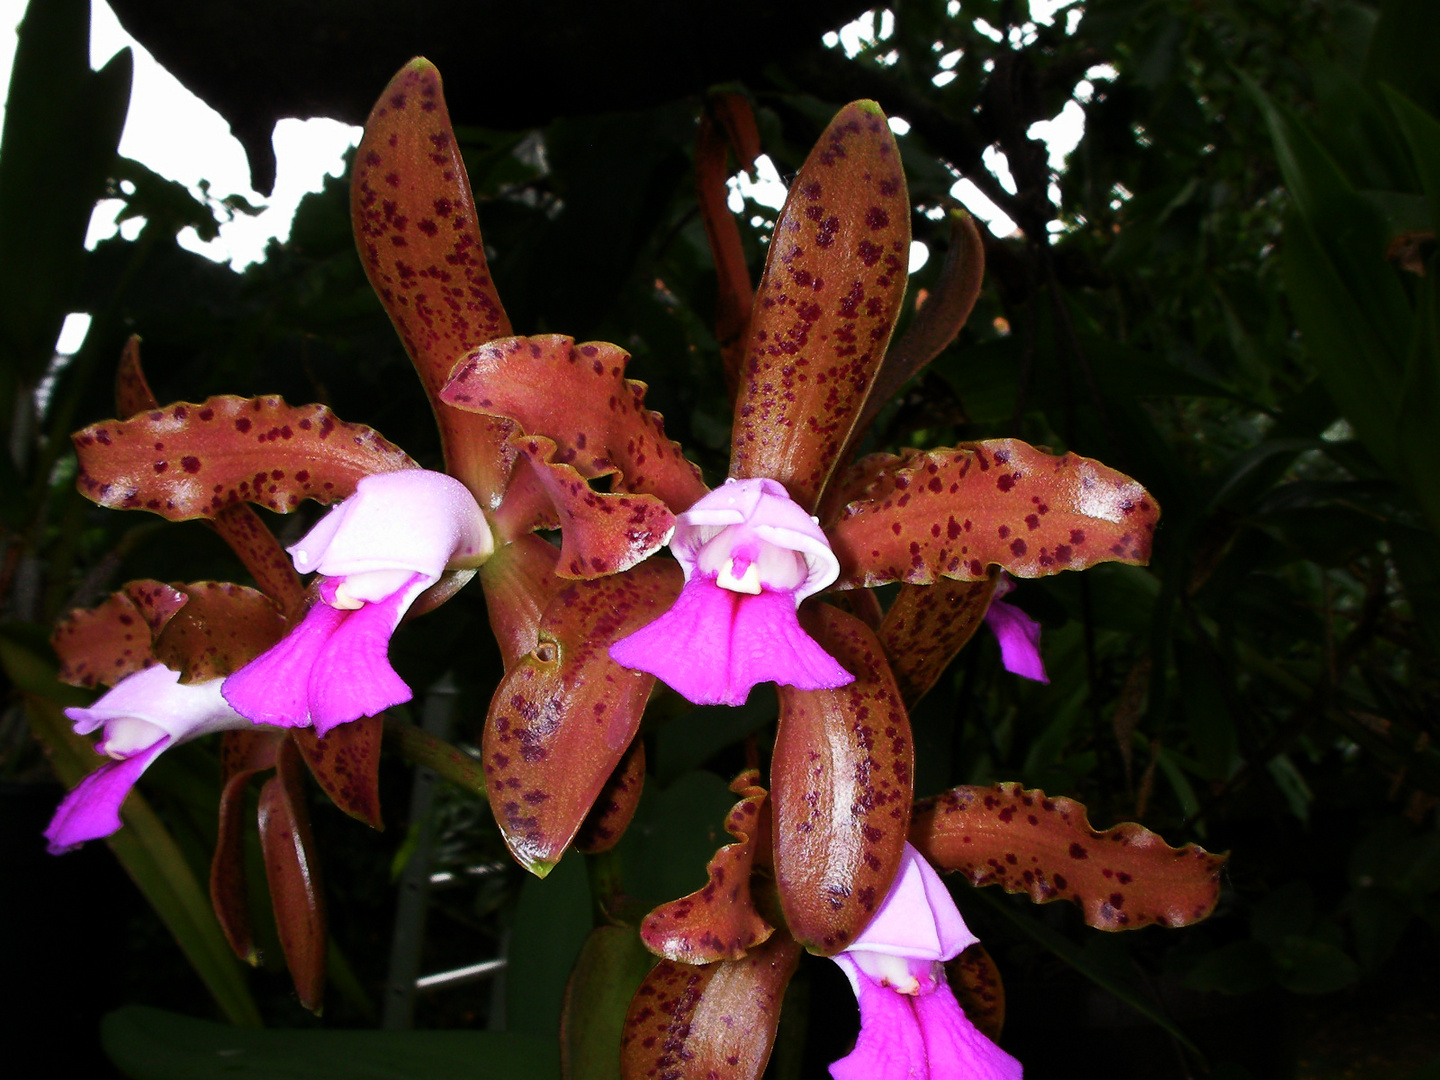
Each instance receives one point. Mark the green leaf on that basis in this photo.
(1238, 968)
(1309, 966)
(152, 1044)
(611, 967)
(551, 924)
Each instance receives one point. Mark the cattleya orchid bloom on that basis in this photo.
(1017, 633)
(142, 715)
(911, 1026)
(750, 556)
(375, 552)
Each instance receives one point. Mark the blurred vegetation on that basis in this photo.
(1229, 292)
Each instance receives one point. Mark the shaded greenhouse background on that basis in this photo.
(1229, 293)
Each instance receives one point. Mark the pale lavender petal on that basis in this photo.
(767, 644)
(157, 696)
(688, 647)
(891, 1045)
(918, 918)
(1019, 637)
(92, 810)
(414, 520)
(351, 676)
(954, 1046)
(274, 688)
(765, 508)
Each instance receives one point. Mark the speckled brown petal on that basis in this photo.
(221, 629)
(419, 239)
(715, 1022)
(578, 397)
(976, 982)
(926, 626)
(1123, 878)
(842, 781)
(242, 755)
(238, 525)
(156, 601)
(346, 764)
(192, 461)
(563, 716)
(719, 921)
(615, 805)
(600, 533)
(834, 279)
(99, 646)
(955, 513)
(293, 875)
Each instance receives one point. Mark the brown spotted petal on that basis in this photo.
(716, 1022)
(601, 533)
(1123, 878)
(842, 783)
(293, 875)
(238, 525)
(192, 461)
(419, 239)
(220, 629)
(718, 922)
(955, 513)
(563, 716)
(616, 804)
(976, 982)
(834, 279)
(346, 765)
(99, 646)
(242, 755)
(578, 397)
(926, 626)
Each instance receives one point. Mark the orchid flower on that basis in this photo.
(142, 715)
(376, 552)
(1017, 633)
(750, 556)
(911, 1026)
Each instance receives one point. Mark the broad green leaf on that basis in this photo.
(152, 1044)
(552, 921)
(611, 967)
(834, 278)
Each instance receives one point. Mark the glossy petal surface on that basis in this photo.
(1019, 638)
(716, 1021)
(92, 809)
(564, 715)
(842, 783)
(103, 644)
(419, 240)
(834, 278)
(616, 804)
(926, 626)
(242, 755)
(719, 921)
(918, 919)
(925, 515)
(519, 582)
(293, 875)
(601, 533)
(954, 1046)
(192, 461)
(578, 397)
(1123, 878)
(346, 765)
(221, 628)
